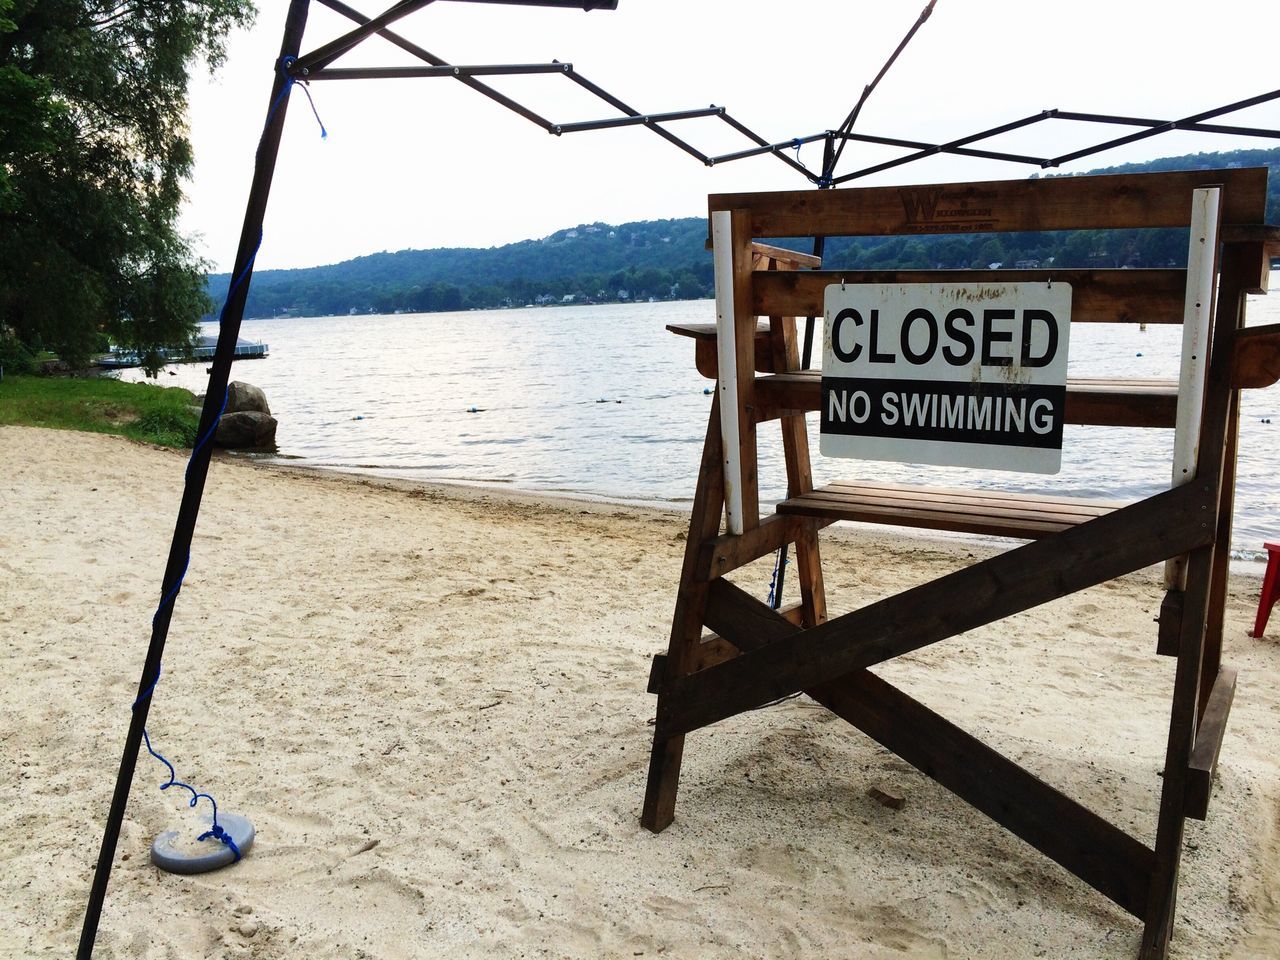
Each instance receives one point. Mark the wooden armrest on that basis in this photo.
(704, 344)
(781, 255)
(705, 331)
(784, 257)
(1256, 357)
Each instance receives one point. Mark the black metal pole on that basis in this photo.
(617, 104)
(197, 471)
(951, 146)
(644, 118)
(323, 56)
(425, 55)
(445, 70)
(829, 160)
(1164, 128)
(852, 118)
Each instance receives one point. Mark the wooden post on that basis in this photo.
(1250, 263)
(686, 625)
(795, 449)
(1189, 677)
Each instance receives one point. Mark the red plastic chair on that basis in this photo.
(1270, 589)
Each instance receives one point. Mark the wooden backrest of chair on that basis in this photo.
(1124, 201)
(1119, 201)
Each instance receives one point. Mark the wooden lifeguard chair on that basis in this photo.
(756, 654)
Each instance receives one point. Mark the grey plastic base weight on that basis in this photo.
(213, 853)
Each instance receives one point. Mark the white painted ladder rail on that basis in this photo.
(726, 356)
(1197, 318)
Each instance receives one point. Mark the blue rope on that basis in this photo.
(773, 580)
(205, 438)
(216, 831)
(171, 595)
(289, 81)
(146, 694)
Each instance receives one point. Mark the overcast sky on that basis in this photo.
(429, 163)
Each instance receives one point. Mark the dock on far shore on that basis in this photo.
(119, 359)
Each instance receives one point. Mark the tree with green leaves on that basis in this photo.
(93, 155)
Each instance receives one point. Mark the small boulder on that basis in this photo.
(246, 429)
(245, 397)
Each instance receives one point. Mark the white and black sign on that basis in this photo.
(970, 375)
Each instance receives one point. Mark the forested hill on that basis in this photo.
(667, 259)
(642, 260)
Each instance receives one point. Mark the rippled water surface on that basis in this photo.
(602, 400)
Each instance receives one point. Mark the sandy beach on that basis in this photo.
(431, 703)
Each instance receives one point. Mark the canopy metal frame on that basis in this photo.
(295, 66)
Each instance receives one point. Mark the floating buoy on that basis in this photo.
(1137, 354)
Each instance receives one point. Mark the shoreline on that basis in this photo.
(1241, 566)
(431, 702)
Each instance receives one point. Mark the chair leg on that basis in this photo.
(664, 780)
(1162, 900)
(686, 625)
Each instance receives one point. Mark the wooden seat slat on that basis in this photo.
(994, 513)
(1130, 385)
(1063, 513)
(1042, 501)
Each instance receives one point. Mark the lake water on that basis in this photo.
(603, 401)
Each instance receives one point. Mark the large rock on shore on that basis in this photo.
(247, 422)
(242, 397)
(246, 429)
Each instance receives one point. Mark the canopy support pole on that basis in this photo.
(198, 468)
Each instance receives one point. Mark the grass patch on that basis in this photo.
(153, 414)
